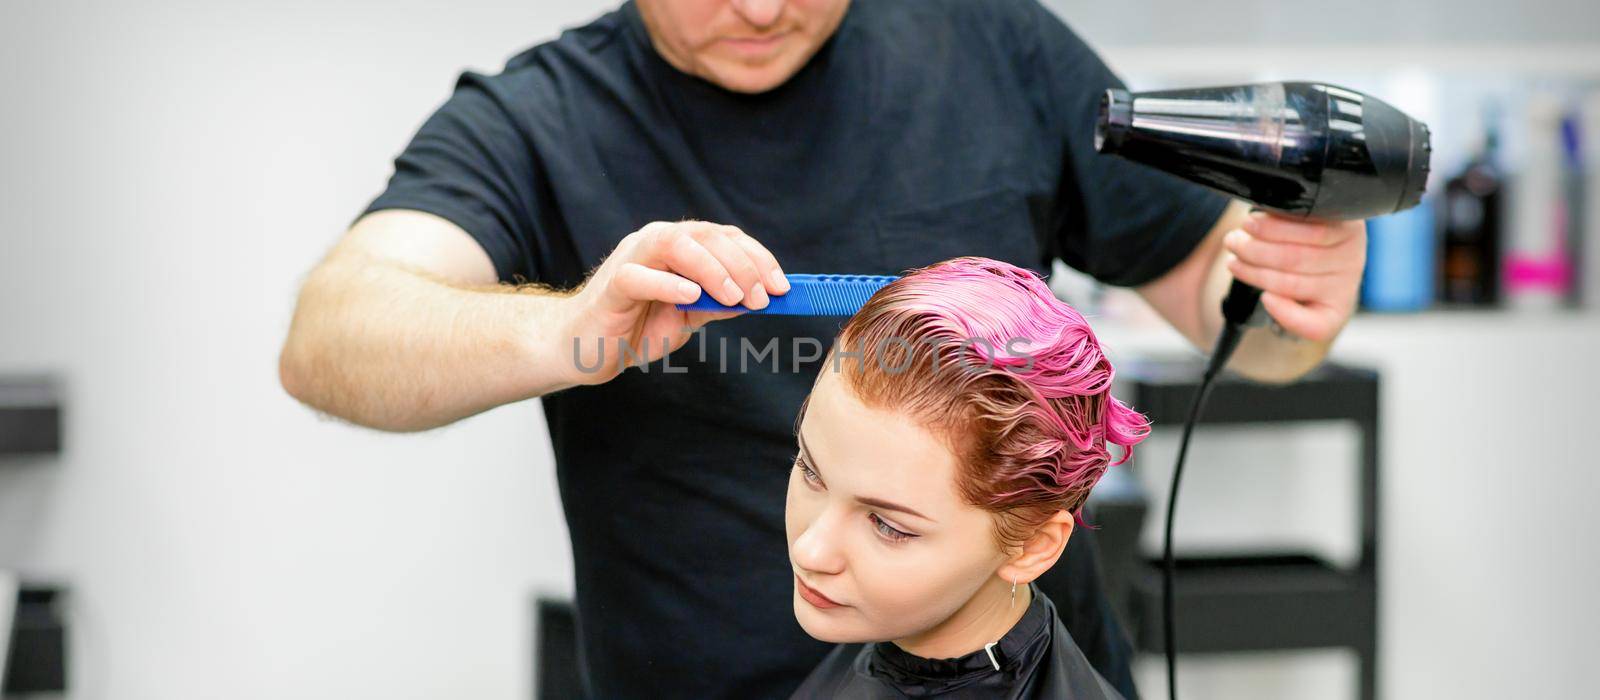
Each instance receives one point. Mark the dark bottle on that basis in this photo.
(1469, 252)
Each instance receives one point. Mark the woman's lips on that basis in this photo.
(812, 596)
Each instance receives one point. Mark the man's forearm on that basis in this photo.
(391, 348)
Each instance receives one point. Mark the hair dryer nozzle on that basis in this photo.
(1116, 118)
(1307, 150)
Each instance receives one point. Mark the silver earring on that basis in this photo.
(989, 648)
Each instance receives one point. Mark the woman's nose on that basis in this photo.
(816, 549)
(759, 13)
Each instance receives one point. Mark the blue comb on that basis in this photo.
(810, 295)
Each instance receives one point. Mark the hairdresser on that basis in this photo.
(523, 226)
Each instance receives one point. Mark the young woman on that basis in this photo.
(944, 453)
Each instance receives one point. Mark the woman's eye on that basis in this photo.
(889, 531)
(806, 472)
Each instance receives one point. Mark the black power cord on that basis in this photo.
(1240, 309)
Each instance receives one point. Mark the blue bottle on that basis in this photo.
(1400, 261)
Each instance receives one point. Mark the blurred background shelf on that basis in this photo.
(1258, 602)
(1250, 600)
(36, 656)
(30, 415)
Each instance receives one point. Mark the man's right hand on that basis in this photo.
(404, 327)
(625, 314)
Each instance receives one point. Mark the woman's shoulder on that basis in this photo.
(1070, 675)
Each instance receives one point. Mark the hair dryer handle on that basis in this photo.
(1240, 309)
(1242, 305)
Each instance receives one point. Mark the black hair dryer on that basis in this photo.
(1299, 150)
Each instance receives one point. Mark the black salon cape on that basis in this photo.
(1037, 658)
(923, 130)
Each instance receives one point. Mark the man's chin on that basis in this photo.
(753, 80)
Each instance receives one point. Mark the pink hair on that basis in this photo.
(1014, 379)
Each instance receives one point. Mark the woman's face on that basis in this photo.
(875, 524)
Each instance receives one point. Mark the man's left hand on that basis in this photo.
(1309, 273)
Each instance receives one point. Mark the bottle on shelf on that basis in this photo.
(1538, 271)
(1589, 240)
(1470, 224)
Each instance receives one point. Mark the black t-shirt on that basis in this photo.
(922, 130)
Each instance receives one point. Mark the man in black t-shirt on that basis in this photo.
(674, 148)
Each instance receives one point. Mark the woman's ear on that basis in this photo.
(1040, 551)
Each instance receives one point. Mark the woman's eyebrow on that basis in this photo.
(864, 500)
(890, 505)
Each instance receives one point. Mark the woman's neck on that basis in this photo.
(985, 618)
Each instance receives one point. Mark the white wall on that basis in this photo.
(1415, 23)
(169, 170)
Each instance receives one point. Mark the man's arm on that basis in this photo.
(403, 327)
(1310, 275)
